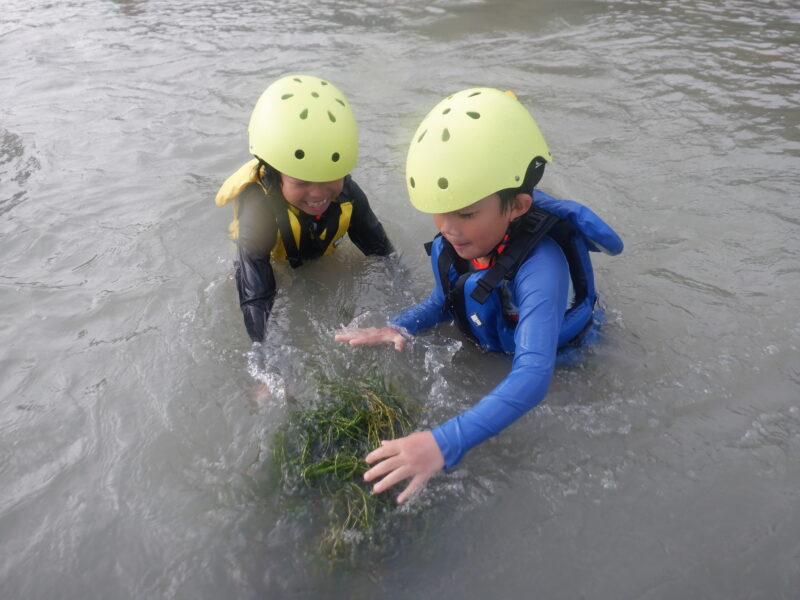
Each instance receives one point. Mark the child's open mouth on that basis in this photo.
(317, 206)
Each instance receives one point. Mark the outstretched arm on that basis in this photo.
(540, 290)
(415, 318)
(372, 336)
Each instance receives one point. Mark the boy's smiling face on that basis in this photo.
(311, 197)
(475, 230)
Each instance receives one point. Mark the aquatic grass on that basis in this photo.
(319, 456)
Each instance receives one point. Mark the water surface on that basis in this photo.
(132, 451)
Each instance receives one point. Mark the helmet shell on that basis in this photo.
(472, 144)
(303, 126)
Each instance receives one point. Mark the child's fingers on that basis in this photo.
(382, 468)
(355, 337)
(370, 336)
(345, 335)
(394, 477)
(412, 488)
(385, 451)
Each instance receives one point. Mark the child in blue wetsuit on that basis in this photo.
(511, 266)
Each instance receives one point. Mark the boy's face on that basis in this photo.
(474, 231)
(311, 197)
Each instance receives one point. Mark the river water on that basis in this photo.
(133, 446)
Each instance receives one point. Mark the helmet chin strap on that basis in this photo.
(534, 173)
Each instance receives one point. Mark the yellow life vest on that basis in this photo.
(250, 173)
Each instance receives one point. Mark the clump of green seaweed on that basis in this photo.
(319, 454)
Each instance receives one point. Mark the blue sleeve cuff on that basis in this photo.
(447, 437)
(420, 316)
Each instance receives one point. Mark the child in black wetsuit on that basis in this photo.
(296, 200)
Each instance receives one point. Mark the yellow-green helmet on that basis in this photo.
(472, 144)
(303, 126)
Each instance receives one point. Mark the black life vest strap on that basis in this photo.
(459, 307)
(278, 207)
(453, 295)
(534, 226)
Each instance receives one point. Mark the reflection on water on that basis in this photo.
(135, 429)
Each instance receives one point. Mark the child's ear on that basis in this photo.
(521, 205)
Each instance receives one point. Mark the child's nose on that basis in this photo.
(317, 190)
(447, 225)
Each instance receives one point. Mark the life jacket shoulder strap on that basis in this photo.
(535, 225)
(279, 211)
(453, 294)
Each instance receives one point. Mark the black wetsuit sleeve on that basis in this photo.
(365, 230)
(255, 280)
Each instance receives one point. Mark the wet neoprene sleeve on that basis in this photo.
(255, 280)
(539, 290)
(365, 231)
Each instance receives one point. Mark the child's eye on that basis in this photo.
(468, 215)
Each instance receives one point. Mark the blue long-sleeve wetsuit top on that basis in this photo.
(540, 291)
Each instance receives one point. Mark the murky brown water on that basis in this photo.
(132, 456)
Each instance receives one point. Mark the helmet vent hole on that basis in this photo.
(412, 182)
(286, 96)
(445, 111)
(474, 115)
(445, 135)
(443, 183)
(516, 177)
(297, 79)
(474, 94)
(315, 94)
(331, 117)
(340, 101)
(422, 135)
(323, 83)
(304, 114)
(335, 157)
(299, 154)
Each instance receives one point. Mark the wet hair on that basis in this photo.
(532, 176)
(268, 173)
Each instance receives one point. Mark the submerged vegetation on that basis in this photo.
(319, 455)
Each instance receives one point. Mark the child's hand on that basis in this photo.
(416, 456)
(372, 336)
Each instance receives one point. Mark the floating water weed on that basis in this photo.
(319, 454)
